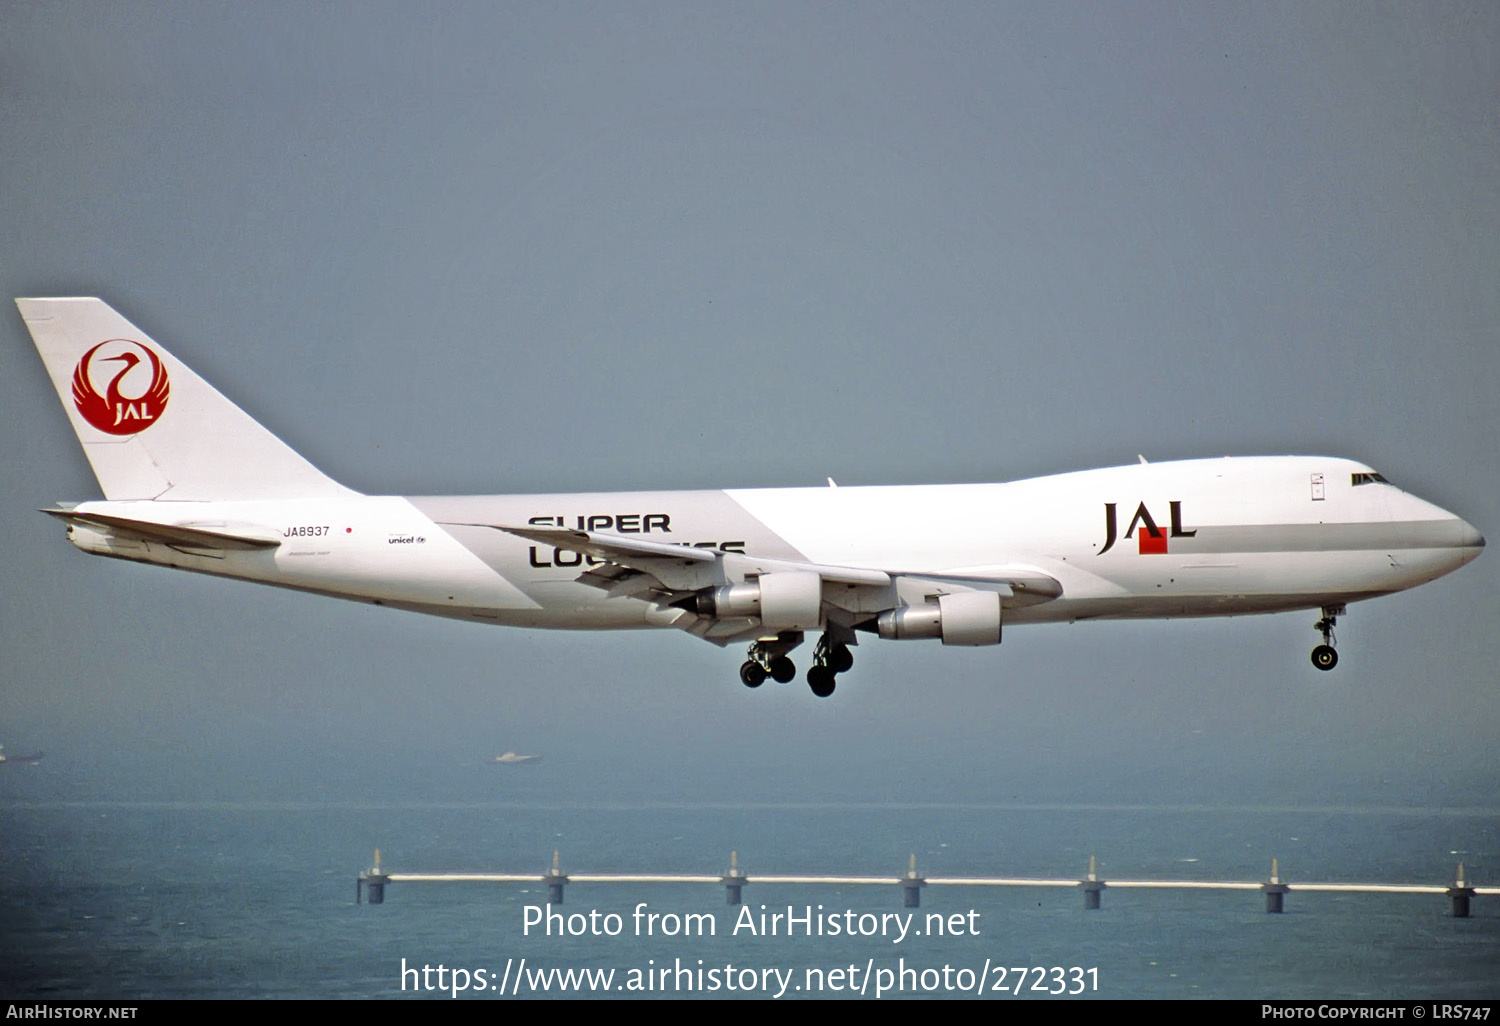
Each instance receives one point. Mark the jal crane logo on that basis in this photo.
(127, 406)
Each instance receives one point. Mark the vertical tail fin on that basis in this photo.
(151, 428)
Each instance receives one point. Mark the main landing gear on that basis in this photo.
(753, 671)
(830, 658)
(1325, 657)
(768, 658)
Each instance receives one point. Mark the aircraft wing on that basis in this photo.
(637, 552)
(672, 575)
(215, 536)
(609, 547)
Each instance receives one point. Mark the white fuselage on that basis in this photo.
(1193, 538)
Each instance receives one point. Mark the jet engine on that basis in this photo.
(785, 601)
(966, 618)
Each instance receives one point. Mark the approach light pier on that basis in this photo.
(372, 882)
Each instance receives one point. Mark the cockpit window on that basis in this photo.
(1364, 479)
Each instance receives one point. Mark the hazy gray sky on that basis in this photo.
(473, 248)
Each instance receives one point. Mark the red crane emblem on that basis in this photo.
(114, 412)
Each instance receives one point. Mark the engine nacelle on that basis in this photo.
(967, 618)
(789, 601)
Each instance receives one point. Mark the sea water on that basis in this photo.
(144, 900)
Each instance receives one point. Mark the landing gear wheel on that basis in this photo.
(767, 658)
(1324, 657)
(840, 659)
(820, 679)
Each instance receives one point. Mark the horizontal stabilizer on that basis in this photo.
(195, 536)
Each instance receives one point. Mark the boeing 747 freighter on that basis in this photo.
(191, 481)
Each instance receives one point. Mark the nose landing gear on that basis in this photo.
(1325, 657)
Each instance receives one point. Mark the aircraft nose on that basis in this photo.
(1469, 536)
